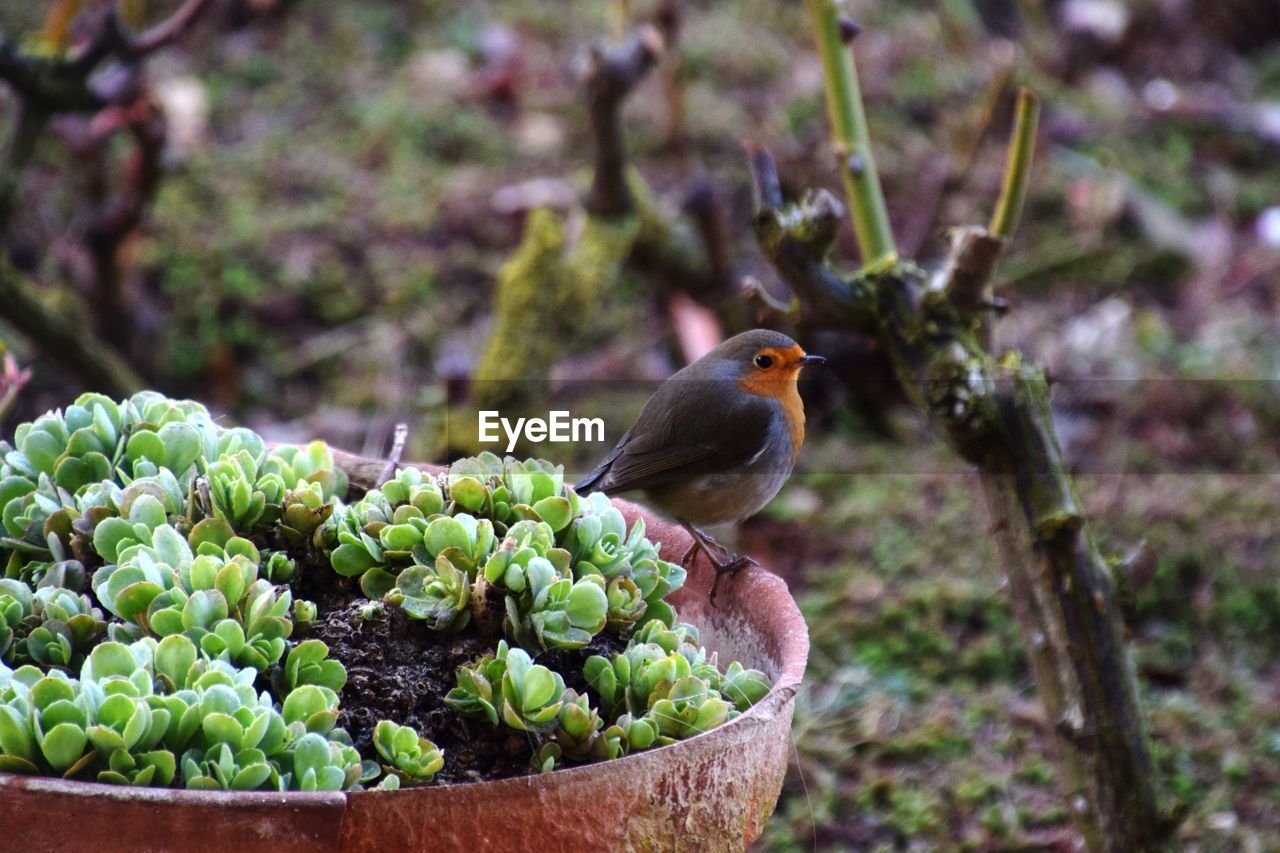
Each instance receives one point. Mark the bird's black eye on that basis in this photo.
(763, 362)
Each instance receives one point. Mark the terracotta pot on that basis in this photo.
(711, 792)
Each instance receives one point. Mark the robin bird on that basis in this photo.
(716, 441)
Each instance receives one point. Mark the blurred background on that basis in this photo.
(299, 213)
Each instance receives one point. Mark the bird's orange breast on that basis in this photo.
(779, 383)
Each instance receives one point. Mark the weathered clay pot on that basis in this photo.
(712, 792)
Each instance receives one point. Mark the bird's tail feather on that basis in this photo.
(591, 482)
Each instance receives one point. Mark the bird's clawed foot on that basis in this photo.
(735, 565)
(724, 561)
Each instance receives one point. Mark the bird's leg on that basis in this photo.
(704, 543)
(724, 561)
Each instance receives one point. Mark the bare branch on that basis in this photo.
(669, 18)
(765, 185)
(30, 123)
(63, 339)
(114, 217)
(705, 209)
(15, 69)
(966, 276)
(106, 39)
(797, 238)
(612, 75)
(162, 34)
(112, 36)
(766, 307)
(50, 85)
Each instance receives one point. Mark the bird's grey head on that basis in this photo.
(758, 352)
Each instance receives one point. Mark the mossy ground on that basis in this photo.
(918, 726)
(322, 262)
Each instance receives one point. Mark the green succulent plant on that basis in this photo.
(357, 551)
(304, 613)
(478, 685)
(65, 574)
(687, 707)
(36, 516)
(667, 636)
(598, 539)
(439, 595)
(127, 723)
(508, 490)
(221, 767)
(382, 530)
(173, 446)
(642, 681)
(278, 567)
(563, 613)
(743, 687)
(56, 478)
(413, 488)
(214, 597)
(656, 579)
(188, 674)
(653, 671)
(313, 707)
(303, 513)
(236, 493)
(134, 708)
(567, 567)
(324, 765)
(405, 753)
(115, 537)
(155, 768)
(312, 464)
(625, 605)
(609, 680)
(463, 539)
(309, 663)
(65, 624)
(630, 734)
(547, 757)
(60, 724)
(73, 448)
(16, 603)
(578, 730)
(680, 639)
(508, 567)
(531, 694)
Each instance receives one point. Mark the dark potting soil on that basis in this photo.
(399, 670)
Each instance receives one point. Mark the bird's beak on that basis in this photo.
(812, 359)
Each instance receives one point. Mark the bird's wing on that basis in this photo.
(680, 434)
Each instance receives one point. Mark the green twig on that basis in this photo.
(1016, 171)
(849, 125)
